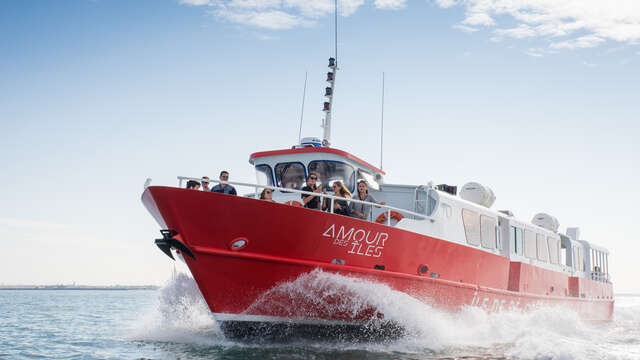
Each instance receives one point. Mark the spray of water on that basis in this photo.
(181, 315)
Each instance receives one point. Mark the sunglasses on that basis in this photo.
(313, 178)
(268, 192)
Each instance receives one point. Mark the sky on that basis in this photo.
(538, 99)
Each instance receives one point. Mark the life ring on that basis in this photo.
(294, 203)
(382, 218)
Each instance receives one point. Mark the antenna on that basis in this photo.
(329, 91)
(382, 122)
(304, 94)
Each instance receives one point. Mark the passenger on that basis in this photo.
(363, 211)
(205, 184)
(224, 188)
(312, 201)
(193, 185)
(267, 195)
(341, 207)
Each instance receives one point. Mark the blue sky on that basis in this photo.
(539, 102)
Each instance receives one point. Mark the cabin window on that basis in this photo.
(488, 232)
(580, 259)
(264, 174)
(471, 222)
(290, 175)
(516, 240)
(530, 244)
(554, 250)
(542, 248)
(330, 171)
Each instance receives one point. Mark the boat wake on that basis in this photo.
(180, 315)
(412, 327)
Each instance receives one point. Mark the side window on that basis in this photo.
(516, 240)
(512, 239)
(530, 244)
(488, 232)
(580, 259)
(554, 250)
(542, 248)
(519, 241)
(471, 222)
(290, 175)
(264, 175)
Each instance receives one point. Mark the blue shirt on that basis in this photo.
(230, 190)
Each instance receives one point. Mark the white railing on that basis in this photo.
(599, 276)
(322, 196)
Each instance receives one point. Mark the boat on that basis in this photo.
(444, 247)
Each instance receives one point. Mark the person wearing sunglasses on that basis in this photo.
(267, 195)
(312, 201)
(224, 188)
(341, 206)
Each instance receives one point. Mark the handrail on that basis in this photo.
(322, 196)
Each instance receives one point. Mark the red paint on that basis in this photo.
(307, 150)
(285, 242)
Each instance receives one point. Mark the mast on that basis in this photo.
(382, 121)
(329, 90)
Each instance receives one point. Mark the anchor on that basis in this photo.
(168, 242)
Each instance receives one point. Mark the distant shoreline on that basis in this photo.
(78, 287)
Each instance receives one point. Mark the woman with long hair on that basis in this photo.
(363, 211)
(341, 206)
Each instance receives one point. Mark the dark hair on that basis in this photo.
(192, 184)
(224, 172)
(365, 184)
(313, 173)
(262, 194)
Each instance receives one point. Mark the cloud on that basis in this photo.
(581, 42)
(390, 4)
(34, 224)
(465, 28)
(194, 2)
(283, 14)
(565, 24)
(479, 19)
(535, 52)
(271, 19)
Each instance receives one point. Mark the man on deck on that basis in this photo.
(224, 188)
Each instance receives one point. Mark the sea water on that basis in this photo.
(175, 323)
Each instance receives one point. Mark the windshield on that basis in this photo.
(290, 175)
(330, 171)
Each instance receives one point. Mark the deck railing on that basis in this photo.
(323, 196)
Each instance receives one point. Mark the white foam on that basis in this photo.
(181, 315)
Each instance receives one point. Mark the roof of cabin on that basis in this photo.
(306, 150)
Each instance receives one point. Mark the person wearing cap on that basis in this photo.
(224, 188)
(193, 185)
(205, 184)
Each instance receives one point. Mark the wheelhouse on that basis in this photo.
(290, 168)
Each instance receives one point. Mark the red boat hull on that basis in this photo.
(285, 243)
